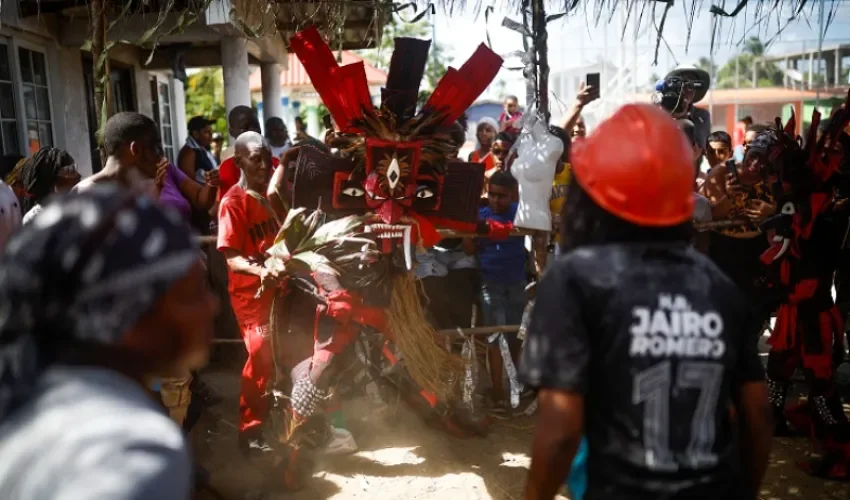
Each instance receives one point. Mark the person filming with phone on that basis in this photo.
(741, 192)
(679, 91)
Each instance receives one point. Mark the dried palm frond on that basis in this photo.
(432, 367)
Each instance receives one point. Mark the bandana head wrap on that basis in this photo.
(86, 269)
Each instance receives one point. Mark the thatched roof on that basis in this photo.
(731, 20)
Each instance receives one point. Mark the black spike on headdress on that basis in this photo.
(407, 67)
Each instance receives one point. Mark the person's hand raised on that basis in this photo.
(733, 186)
(586, 94)
(161, 173)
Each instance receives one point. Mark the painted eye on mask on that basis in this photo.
(353, 191)
(788, 208)
(424, 192)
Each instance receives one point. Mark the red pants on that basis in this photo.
(257, 373)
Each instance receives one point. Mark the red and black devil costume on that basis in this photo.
(801, 262)
(357, 219)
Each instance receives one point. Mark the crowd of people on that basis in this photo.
(107, 299)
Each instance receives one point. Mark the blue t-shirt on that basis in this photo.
(502, 261)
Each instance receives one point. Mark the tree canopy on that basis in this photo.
(768, 74)
(205, 97)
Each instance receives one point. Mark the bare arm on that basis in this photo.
(558, 433)
(585, 96)
(714, 189)
(186, 162)
(200, 196)
(539, 250)
(756, 423)
(242, 265)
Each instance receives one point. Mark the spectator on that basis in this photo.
(485, 134)
(195, 158)
(277, 136)
(605, 348)
(574, 123)
(718, 148)
(134, 155)
(740, 130)
(10, 215)
(302, 137)
(697, 82)
(228, 170)
(48, 171)
(103, 291)
(510, 117)
(702, 207)
(752, 132)
(240, 119)
(247, 228)
(501, 147)
(503, 277)
(215, 146)
(741, 192)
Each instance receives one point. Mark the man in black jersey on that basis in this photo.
(637, 340)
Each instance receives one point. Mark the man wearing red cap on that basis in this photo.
(637, 340)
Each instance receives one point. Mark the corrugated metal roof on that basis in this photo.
(295, 76)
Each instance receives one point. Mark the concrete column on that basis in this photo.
(811, 70)
(837, 71)
(235, 72)
(178, 106)
(270, 76)
(785, 75)
(313, 120)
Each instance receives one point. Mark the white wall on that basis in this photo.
(69, 104)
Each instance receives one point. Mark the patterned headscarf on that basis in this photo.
(85, 270)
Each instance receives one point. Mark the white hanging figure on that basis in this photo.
(538, 155)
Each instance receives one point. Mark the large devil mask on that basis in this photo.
(395, 165)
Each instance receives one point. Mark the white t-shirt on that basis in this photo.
(92, 434)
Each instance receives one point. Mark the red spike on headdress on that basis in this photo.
(459, 88)
(791, 125)
(340, 88)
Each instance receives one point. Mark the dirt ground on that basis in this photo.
(401, 458)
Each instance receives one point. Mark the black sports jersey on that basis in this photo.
(655, 337)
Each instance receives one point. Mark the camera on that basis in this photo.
(669, 93)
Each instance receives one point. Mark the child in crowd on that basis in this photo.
(503, 276)
(718, 148)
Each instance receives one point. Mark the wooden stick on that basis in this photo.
(478, 331)
(450, 233)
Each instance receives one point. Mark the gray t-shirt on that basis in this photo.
(92, 434)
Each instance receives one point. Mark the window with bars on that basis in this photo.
(8, 112)
(165, 125)
(24, 100)
(36, 95)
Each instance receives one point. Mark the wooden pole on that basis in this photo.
(97, 12)
(457, 333)
(541, 51)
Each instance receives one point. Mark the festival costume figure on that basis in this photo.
(356, 222)
(801, 263)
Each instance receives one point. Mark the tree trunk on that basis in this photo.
(97, 12)
(541, 52)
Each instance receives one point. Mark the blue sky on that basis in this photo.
(573, 39)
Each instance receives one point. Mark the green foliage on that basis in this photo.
(322, 110)
(768, 74)
(205, 97)
(705, 63)
(438, 60)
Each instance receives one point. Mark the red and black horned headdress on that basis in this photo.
(394, 160)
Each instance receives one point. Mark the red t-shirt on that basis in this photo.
(228, 174)
(246, 226)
